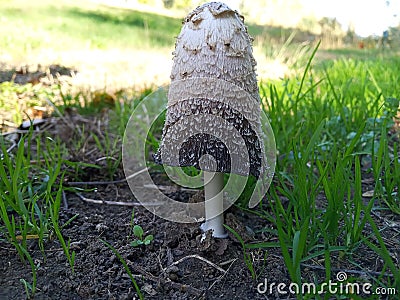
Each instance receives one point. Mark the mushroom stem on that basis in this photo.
(214, 204)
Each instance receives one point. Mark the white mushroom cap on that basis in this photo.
(214, 43)
(213, 75)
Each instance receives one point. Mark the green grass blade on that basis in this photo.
(126, 267)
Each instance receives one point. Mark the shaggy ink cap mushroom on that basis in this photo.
(213, 122)
(213, 111)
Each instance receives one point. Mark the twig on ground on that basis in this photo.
(11, 147)
(168, 188)
(348, 271)
(136, 174)
(106, 182)
(391, 225)
(231, 261)
(76, 183)
(105, 158)
(163, 282)
(14, 132)
(95, 201)
(228, 262)
(159, 260)
(198, 257)
(8, 249)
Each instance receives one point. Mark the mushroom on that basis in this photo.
(213, 88)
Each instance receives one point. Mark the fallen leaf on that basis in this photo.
(28, 237)
(368, 194)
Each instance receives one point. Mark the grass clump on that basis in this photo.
(334, 127)
(30, 197)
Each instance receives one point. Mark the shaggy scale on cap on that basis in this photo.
(213, 75)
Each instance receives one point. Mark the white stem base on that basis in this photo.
(214, 204)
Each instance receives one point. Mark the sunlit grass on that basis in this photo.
(324, 128)
(66, 25)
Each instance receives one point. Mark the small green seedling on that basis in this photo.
(138, 233)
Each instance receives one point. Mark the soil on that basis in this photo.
(100, 275)
(176, 264)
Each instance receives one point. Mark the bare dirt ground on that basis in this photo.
(174, 266)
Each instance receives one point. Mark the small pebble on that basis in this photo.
(173, 276)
